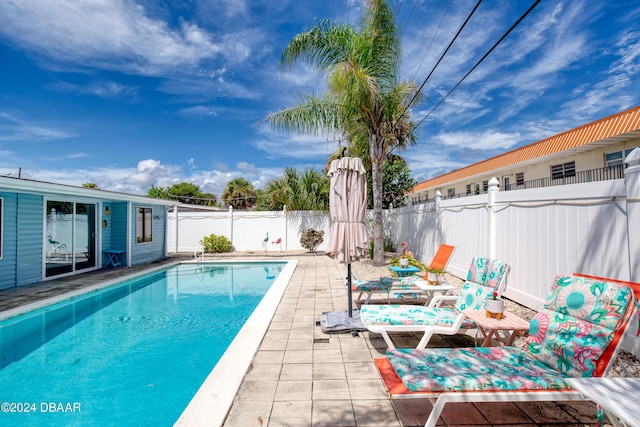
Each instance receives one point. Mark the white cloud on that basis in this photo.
(15, 128)
(109, 34)
(282, 146)
(486, 140)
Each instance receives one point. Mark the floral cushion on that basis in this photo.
(472, 296)
(487, 272)
(396, 315)
(478, 270)
(596, 301)
(496, 270)
(570, 345)
(577, 324)
(479, 368)
(381, 285)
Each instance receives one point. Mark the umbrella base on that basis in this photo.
(337, 322)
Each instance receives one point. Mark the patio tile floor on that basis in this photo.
(303, 377)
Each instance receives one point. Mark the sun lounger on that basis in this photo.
(399, 286)
(578, 334)
(485, 277)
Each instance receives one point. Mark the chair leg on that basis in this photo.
(387, 339)
(438, 406)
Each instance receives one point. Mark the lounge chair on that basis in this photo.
(390, 285)
(578, 334)
(485, 277)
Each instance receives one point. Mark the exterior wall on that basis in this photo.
(143, 253)
(107, 232)
(23, 239)
(8, 262)
(585, 160)
(118, 226)
(30, 239)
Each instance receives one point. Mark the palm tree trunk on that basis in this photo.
(377, 160)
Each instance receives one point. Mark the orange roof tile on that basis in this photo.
(600, 130)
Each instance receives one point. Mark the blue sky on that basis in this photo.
(129, 94)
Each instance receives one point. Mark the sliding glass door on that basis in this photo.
(70, 242)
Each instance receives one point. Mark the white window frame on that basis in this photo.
(617, 161)
(563, 170)
(141, 236)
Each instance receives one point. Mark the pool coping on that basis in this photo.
(212, 402)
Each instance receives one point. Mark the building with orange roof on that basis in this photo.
(592, 152)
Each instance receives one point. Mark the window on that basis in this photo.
(144, 225)
(477, 188)
(506, 182)
(468, 188)
(0, 227)
(520, 178)
(451, 192)
(617, 158)
(485, 186)
(563, 170)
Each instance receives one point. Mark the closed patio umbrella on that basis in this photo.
(348, 239)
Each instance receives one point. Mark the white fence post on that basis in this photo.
(285, 226)
(177, 231)
(231, 224)
(632, 185)
(493, 190)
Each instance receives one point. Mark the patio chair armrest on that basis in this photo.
(439, 299)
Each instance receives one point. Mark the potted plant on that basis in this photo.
(433, 274)
(494, 306)
(404, 261)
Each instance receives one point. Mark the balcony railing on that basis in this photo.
(593, 175)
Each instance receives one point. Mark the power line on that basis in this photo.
(446, 12)
(479, 62)
(415, 95)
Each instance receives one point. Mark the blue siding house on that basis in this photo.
(52, 230)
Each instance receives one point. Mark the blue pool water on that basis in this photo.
(132, 354)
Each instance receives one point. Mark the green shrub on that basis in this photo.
(310, 239)
(216, 244)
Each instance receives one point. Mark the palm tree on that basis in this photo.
(364, 101)
(239, 193)
(306, 191)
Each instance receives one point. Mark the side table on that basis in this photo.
(429, 289)
(404, 271)
(113, 258)
(510, 325)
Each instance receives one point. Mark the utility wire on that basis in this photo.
(444, 15)
(415, 95)
(479, 62)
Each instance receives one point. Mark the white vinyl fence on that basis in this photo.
(591, 228)
(271, 231)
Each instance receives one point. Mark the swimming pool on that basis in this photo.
(134, 353)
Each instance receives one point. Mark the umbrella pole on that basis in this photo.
(349, 289)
